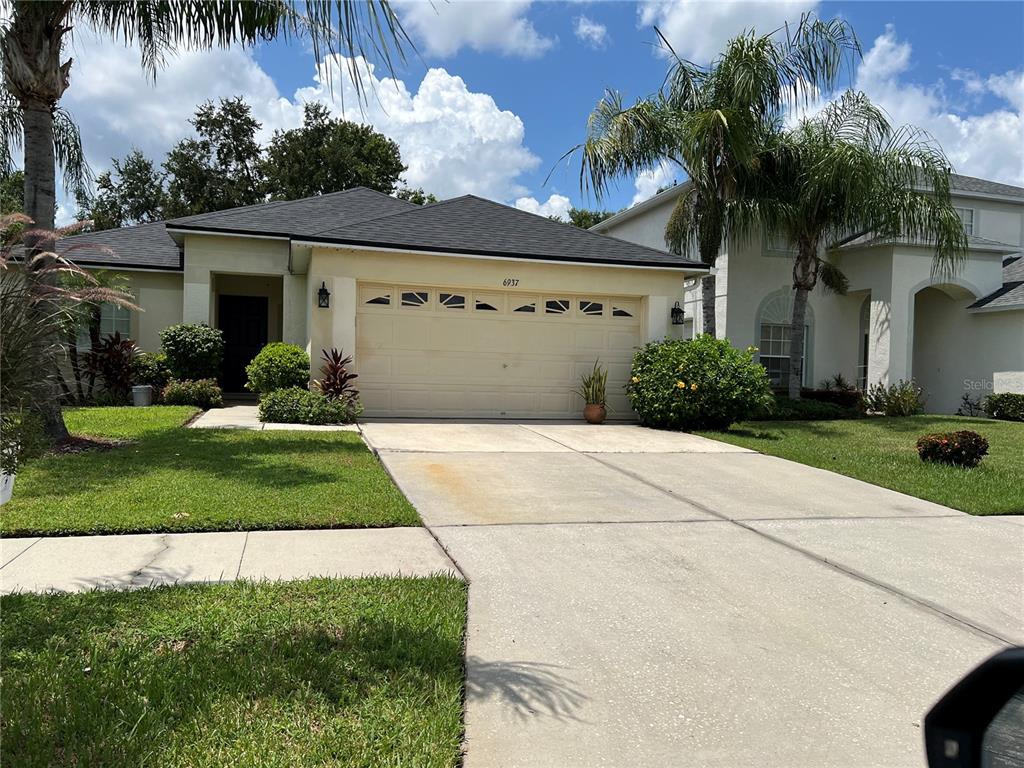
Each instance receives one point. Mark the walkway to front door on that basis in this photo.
(650, 598)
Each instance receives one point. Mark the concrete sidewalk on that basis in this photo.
(81, 563)
(247, 417)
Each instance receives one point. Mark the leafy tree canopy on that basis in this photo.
(585, 218)
(132, 192)
(328, 155)
(12, 192)
(416, 196)
(222, 167)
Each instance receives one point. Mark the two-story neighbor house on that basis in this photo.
(956, 335)
(461, 308)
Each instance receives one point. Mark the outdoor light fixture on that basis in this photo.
(677, 314)
(323, 297)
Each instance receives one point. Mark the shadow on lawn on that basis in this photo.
(86, 687)
(273, 460)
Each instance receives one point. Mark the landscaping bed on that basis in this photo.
(167, 478)
(352, 672)
(883, 451)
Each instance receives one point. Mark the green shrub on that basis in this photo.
(296, 405)
(202, 393)
(114, 360)
(277, 366)
(904, 398)
(193, 351)
(1008, 406)
(784, 409)
(704, 383)
(151, 368)
(960, 449)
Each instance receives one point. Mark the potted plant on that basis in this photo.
(592, 389)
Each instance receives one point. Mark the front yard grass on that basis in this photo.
(168, 478)
(352, 672)
(882, 451)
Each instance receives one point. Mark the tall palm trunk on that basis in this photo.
(796, 343)
(40, 206)
(707, 298)
(31, 48)
(805, 277)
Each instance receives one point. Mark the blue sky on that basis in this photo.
(510, 85)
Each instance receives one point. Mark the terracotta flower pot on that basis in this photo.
(594, 413)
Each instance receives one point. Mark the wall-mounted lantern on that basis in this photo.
(677, 314)
(323, 297)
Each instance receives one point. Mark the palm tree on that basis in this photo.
(32, 43)
(710, 121)
(838, 175)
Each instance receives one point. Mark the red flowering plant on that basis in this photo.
(959, 449)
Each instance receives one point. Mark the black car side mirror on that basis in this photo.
(979, 722)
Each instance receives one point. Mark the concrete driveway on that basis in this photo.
(641, 598)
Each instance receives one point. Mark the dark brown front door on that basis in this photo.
(243, 320)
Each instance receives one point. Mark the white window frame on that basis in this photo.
(776, 310)
(113, 318)
(967, 217)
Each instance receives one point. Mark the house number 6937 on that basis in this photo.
(510, 282)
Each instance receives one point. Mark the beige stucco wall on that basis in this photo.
(342, 269)
(158, 294)
(956, 351)
(209, 257)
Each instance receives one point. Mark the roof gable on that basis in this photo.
(297, 218)
(473, 225)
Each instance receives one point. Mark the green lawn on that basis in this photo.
(355, 672)
(173, 479)
(881, 451)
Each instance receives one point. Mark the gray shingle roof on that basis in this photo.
(361, 216)
(472, 225)
(146, 246)
(1012, 292)
(960, 183)
(974, 243)
(298, 218)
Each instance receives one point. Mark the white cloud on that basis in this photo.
(444, 28)
(698, 30)
(649, 182)
(555, 205)
(454, 140)
(989, 145)
(591, 32)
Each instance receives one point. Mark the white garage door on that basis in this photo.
(450, 352)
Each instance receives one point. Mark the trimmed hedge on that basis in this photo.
(296, 405)
(784, 409)
(151, 368)
(277, 366)
(1006, 406)
(959, 449)
(203, 393)
(703, 383)
(193, 352)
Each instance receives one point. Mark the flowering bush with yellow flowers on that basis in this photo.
(704, 383)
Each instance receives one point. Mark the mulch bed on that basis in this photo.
(82, 444)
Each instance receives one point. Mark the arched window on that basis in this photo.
(773, 327)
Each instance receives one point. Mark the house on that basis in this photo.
(954, 336)
(463, 308)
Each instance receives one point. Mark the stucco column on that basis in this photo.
(891, 338)
(343, 315)
(197, 298)
(293, 311)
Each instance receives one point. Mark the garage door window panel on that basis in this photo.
(487, 302)
(375, 296)
(524, 306)
(452, 300)
(416, 299)
(556, 306)
(591, 308)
